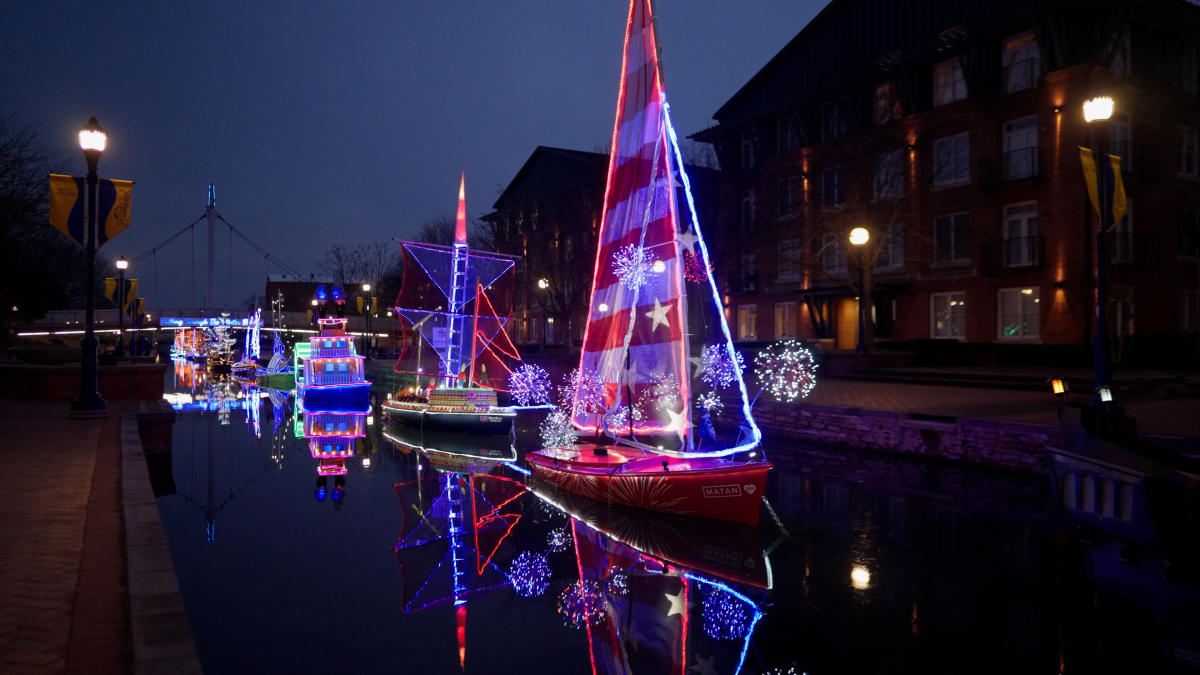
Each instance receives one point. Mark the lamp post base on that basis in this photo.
(88, 407)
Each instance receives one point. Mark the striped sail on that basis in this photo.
(653, 308)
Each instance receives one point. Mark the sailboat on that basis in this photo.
(658, 374)
(456, 301)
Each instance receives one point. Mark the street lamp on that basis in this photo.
(366, 289)
(92, 141)
(1096, 112)
(122, 265)
(859, 237)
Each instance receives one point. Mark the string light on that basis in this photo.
(617, 582)
(529, 574)
(558, 539)
(725, 617)
(582, 604)
(665, 391)
(694, 268)
(633, 266)
(557, 431)
(582, 393)
(786, 370)
(618, 417)
(708, 400)
(529, 385)
(718, 369)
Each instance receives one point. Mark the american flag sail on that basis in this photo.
(655, 327)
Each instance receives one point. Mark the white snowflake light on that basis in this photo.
(582, 393)
(529, 385)
(618, 418)
(786, 370)
(633, 266)
(557, 431)
(708, 400)
(664, 393)
(717, 368)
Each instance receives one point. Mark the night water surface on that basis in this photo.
(421, 562)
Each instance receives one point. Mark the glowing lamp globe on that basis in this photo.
(860, 577)
(859, 236)
(658, 266)
(543, 284)
(92, 138)
(366, 288)
(122, 263)
(1098, 108)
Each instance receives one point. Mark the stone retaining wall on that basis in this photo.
(989, 442)
(136, 381)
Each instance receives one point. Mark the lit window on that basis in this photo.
(1019, 313)
(952, 160)
(747, 322)
(948, 315)
(948, 83)
(785, 320)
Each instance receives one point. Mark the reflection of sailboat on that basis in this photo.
(457, 301)
(657, 369)
(661, 616)
(447, 451)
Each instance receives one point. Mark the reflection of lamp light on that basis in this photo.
(314, 302)
(859, 236)
(1058, 386)
(860, 577)
(543, 283)
(1105, 394)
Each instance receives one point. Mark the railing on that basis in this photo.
(340, 377)
(1011, 255)
(1015, 165)
(1022, 75)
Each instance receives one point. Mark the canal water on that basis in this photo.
(446, 560)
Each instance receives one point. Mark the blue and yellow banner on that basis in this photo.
(1112, 176)
(128, 294)
(67, 207)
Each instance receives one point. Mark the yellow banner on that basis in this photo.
(115, 199)
(66, 206)
(1119, 203)
(1089, 176)
(110, 288)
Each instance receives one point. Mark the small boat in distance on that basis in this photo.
(657, 371)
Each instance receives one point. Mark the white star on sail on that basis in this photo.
(678, 604)
(698, 362)
(687, 241)
(678, 422)
(658, 315)
(704, 666)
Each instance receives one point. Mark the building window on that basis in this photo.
(833, 255)
(889, 175)
(1022, 63)
(1187, 70)
(748, 154)
(550, 333)
(1189, 312)
(1187, 152)
(948, 83)
(833, 186)
(952, 238)
(785, 320)
(746, 217)
(1021, 148)
(952, 160)
(1019, 313)
(1120, 139)
(1189, 232)
(948, 315)
(747, 322)
(887, 106)
(832, 125)
(788, 259)
(1122, 237)
(891, 249)
(1120, 63)
(1021, 234)
(788, 137)
(788, 193)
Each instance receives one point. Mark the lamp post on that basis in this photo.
(122, 265)
(366, 289)
(859, 237)
(92, 140)
(1096, 112)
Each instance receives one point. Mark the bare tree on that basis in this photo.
(439, 230)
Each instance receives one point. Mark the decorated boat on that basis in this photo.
(246, 368)
(659, 382)
(333, 372)
(456, 302)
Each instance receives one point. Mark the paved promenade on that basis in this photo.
(63, 566)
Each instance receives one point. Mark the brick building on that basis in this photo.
(950, 130)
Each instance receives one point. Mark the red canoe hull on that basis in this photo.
(705, 488)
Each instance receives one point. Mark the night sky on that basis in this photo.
(349, 123)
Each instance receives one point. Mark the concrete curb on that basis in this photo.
(162, 635)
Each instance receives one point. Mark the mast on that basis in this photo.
(458, 275)
(210, 212)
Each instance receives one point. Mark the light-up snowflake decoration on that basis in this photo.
(529, 574)
(582, 393)
(619, 417)
(582, 604)
(709, 401)
(557, 431)
(786, 370)
(664, 393)
(725, 617)
(558, 539)
(694, 268)
(633, 266)
(717, 368)
(529, 385)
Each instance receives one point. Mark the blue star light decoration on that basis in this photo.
(717, 369)
(633, 266)
(786, 370)
(582, 604)
(529, 385)
(557, 431)
(558, 539)
(529, 574)
(725, 617)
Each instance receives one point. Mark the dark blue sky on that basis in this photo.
(349, 122)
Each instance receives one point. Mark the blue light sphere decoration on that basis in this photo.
(529, 574)
(617, 582)
(725, 617)
(529, 385)
(582, 604)
(558, 539)
(717, 368)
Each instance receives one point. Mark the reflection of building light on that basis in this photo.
(860, 577)
(1026, 291)
(366, 462)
